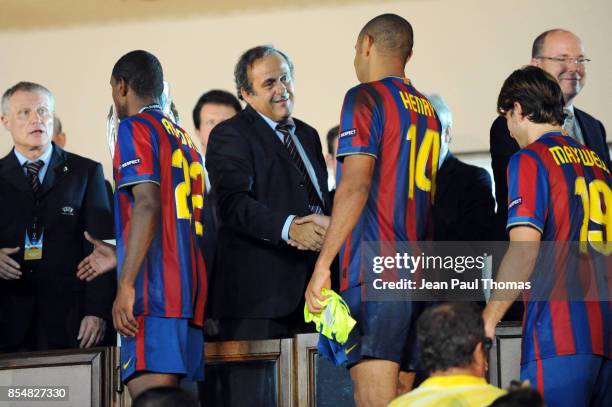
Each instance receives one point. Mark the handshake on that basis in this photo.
(308, 232)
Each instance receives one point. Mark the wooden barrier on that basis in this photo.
(276, 372)
(90, 375)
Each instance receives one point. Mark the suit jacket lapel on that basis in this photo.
(58, 169)
(587, 131)
(271, 140)
(269, 137)
(13, 173)
(311, 153)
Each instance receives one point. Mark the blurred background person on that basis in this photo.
(331, 142)
(464, 208)
(59, 136)
(212, 108)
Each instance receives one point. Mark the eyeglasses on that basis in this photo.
(580, 61)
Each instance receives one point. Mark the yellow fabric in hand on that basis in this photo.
(335, 321)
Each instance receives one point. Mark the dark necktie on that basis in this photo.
(33, 168)
(314, 203)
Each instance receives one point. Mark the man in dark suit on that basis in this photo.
(268, 176)
(464, 208)
(561, 54)
(48, 197)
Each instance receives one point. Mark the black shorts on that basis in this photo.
(385, 330)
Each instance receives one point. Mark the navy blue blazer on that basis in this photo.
(49, 296)
(256, 185)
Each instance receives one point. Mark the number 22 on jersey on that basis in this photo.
(183, 191)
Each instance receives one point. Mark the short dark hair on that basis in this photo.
(391, 33)
(142, 72)
(537, 91)
(520, 398)
(332, 136)
(25, 87)
(164, 396)
(246, 61)
(538, 43)
(447, 335)
(216, 96)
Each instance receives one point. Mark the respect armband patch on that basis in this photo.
(348, 133)
(131, 163)
(515, 202)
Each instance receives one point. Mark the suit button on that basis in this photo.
(302, 184)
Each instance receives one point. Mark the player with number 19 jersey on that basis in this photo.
(394, 123)
(564, 190)
(172, 280)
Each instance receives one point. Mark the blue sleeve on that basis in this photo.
(361, 123)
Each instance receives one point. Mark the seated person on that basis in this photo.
(453, 349)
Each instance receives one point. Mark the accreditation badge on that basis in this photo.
(33, 247)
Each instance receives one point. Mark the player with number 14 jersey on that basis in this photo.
(394, 123)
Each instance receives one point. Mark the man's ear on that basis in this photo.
(479, 358)
(245, 95)
(367, 42)
(518, 110)
(4, 120)
(122, 87)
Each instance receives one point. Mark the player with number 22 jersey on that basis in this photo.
(172, 281)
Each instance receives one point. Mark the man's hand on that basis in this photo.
(321, 220)
(102, 259)
(320, 279)
(308, 232)
(123, 310)
(489, 327)
(91, 332)
(9, 268)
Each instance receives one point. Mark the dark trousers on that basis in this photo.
(264, 328)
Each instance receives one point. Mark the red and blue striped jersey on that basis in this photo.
(564, 190)
(172, 279)
(395, 124)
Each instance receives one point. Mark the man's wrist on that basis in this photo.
(323, 266)
(285, 235)
(490, 318)
(126, 283)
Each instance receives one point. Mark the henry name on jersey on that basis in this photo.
(417, 104)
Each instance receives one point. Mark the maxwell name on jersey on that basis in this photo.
(574, 155)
